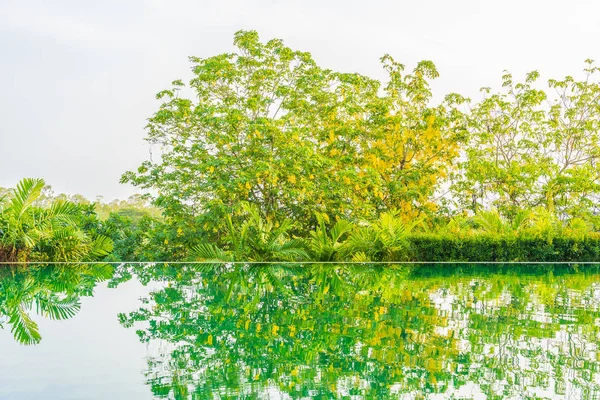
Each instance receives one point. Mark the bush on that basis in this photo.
(494, 248)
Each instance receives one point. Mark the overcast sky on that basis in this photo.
(78, 77)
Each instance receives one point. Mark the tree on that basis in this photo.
(270, 127)
(411, 146)
(528, 148)
(573, 188)
(506, 157)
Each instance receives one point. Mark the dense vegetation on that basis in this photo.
(276, 158)
(59, 231)
(266, 156)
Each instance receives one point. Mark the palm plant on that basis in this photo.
(324, 244)
(456, 225)
(578, 227)
(492, 222)
(544, 224)
(21, 296)
(385, 239)
(256, 239)
(32, 233)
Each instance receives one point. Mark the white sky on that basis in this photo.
(78, 77)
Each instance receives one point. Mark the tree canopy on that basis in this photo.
(268, 126)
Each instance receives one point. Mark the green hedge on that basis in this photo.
(504, 248)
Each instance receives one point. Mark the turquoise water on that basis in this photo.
(190, 331)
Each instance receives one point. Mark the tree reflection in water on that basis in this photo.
(341, 331)
(50, 291)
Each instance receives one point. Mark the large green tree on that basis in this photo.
(268, 126)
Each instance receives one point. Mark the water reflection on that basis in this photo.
(49, 291)
(340, 331)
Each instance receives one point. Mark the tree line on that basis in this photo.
(263, 143)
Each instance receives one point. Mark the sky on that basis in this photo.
(78, 78)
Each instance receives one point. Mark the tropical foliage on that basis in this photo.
(29, 232)
(256, 239)
(270, 127)
(266, 156)
(341, 166)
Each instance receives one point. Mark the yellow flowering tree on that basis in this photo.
(268, 126)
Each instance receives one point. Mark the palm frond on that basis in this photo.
(28, 190)
(102, 271)
(490, 221)
(339, 229)
(361, 257)
(23, 328)
(58, 309)
(210, 253)
(101, 246)
(521, 220)
(64, 212)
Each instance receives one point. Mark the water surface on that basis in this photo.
(192, 331)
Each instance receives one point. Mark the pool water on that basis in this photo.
(323, 331)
